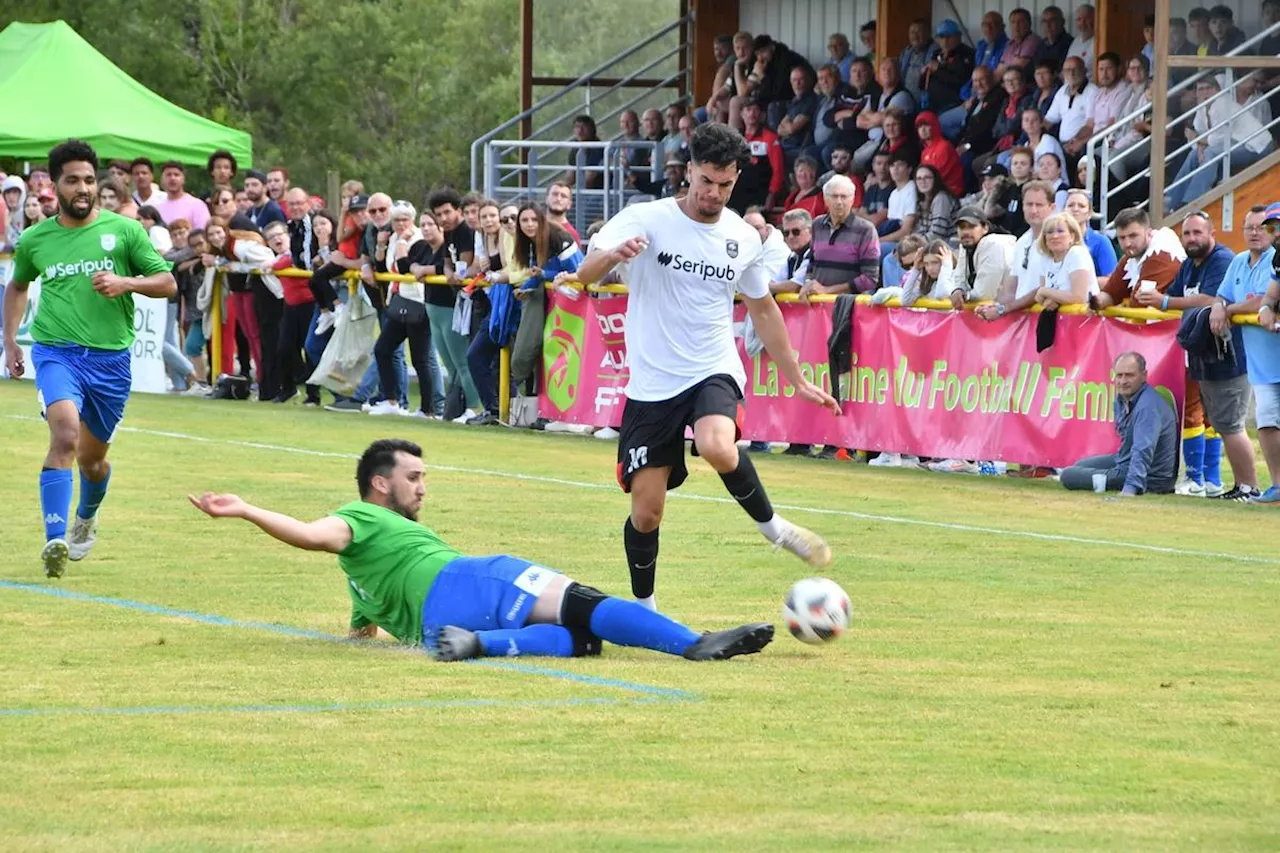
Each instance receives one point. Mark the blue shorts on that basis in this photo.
(96, 380)
(483, 593)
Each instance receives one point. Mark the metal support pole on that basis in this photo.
(215, 334)
(1159, 111)
(504, 384)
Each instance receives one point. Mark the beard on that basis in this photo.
(403, 509)
(1196, 252)
(79, 207)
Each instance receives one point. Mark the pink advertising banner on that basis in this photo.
(932, 383)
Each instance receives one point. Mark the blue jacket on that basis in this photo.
(1205, 279)
(1148, 442)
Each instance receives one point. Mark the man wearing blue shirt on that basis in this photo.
(1256, 291)
(1202, 272)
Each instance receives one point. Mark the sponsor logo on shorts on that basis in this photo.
(86, 267)
(706, 271)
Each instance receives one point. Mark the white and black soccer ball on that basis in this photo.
(817, 610)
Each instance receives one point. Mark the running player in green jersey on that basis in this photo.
(90, 262)
(402, 578)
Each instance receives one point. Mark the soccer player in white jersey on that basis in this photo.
(683, 260)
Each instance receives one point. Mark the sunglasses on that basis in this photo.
(506, 220)
(377, 209)
(793, 232)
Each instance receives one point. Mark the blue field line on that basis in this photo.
(666, 693)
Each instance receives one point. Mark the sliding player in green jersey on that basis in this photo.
(404, 579)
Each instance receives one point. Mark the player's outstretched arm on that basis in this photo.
(599, 262)
(330, 533)
(15, 305)
(773, 331)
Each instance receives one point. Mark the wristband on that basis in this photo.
(1164, 305)
(1000, 309)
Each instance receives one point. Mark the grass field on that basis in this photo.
(1077, 691)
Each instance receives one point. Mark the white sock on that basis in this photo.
(772, 529)
(649, 602)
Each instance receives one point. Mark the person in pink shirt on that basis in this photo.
(177, 202)
(1020, 52)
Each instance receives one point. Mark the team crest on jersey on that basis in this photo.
(108, 242)
(731, 246)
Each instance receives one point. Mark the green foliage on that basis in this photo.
(390, 91)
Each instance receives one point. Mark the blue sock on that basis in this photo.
(629, 623)
(55, 501)
(546, 640)
(1212, 458)
(91, 494)
(1193, 455)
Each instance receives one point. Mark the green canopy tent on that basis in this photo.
(54, 85)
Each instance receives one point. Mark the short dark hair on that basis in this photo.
(172, 164)
(1199, 13)
(1257, 208)
(154, 215)
(1132, 216)
(471, 198)
(142, 161)
(1182, 22)
(719, 145)
(379, 459)
(724, 39)
(1112, 57)
(868, 27)
(222, 154)
(587, 121)
(443, 196)
(123, 165)
(71, 151)
(1221, 12)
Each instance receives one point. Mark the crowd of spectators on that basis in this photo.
(945, 172)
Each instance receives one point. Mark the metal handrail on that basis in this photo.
(583, 79)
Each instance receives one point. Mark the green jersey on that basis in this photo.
(390, 566)
(70, 311)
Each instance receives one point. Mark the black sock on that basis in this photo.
(642, 558)
(745, 486)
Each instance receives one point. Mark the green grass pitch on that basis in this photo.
(1108, 683)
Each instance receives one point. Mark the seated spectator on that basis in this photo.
(983, 108)
(1037, 140)
(685, 127)
(930, 278)
(808, 195)
(983, 262)
(675, 141)
(840, 55)
(841, 164)
(731, 78)
(1149, 255)
(1198, 18)
(634, 160)
(1055, 41)
(770, 74)
(875, 196)
(846, 252)
(640, 160)
(795, 129)
(1082, 47)
(892, 95)
(1049, 170)
(1066, 275)
(935, 205)
(992, 187)
(1224, 35)
(1006, 207)
(675, 177)
(1046, 86)
(587, 160)
(867, 37)
(1080, 208)
(1147, 460)
(722, 48)
(761, 181)
(797, 230)
(1069, 114)
(1247, 95)
(990, 50)
(901, 220)
(916, 57)
(946, 75)
(905, 254)
(1149, 39)
(899, 137)
(1215, 132)
(1008, 122)
(831, 91)
(937, 152)
(1112, 98)
(1020, 51)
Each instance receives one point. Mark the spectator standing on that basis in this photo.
(406, 317)
(846, 251)
(221, 168)
(451, 334)
(263, 209)
(1245, 294)
(177, 203)
(1148, 457)
(1149, 255)
(948, 73)
(295, 318)
(1224, 35)
(1019, 289)
(559, 201)
(277, 185)
(983, 261)
(1101, 251)
(142, 170)
(1066, 274)
(587, 160)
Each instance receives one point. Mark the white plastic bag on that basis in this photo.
(350, 351)
(462, 314)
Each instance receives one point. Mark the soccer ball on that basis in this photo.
(817, 610)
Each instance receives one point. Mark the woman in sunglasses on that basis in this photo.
(1066, 270)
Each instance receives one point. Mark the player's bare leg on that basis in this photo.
(56, 484)
(640, 533)
(715, 436)
(95, 473)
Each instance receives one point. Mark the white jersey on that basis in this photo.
(680, 312)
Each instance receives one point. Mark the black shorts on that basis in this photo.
(652, 434)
